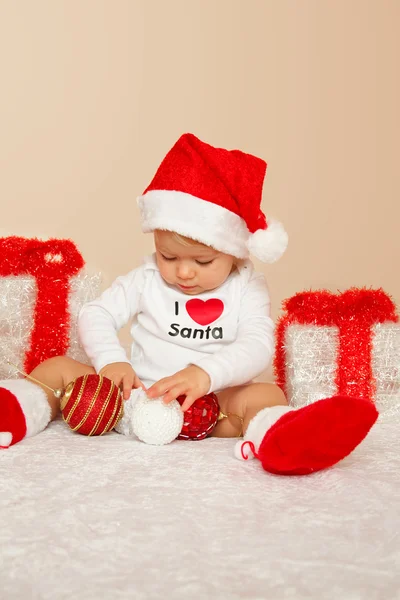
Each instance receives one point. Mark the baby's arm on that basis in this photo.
(99, 323)
(251, 353)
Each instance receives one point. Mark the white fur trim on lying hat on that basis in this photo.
(194, 218)
(257, 428)
(5, 439)
(33, 401)
(268, 244)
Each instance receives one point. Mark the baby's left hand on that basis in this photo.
(191, 382)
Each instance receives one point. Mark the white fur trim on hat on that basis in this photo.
(210, 224)
(257, 429)
(5, 439)
(268, 244)
(33, 401)
(194, 218)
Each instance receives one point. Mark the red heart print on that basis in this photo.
(204, 312)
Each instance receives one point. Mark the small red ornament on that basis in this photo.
(200, 419)
(91, 405)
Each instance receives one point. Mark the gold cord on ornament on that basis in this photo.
(222, 416)
(57, 393)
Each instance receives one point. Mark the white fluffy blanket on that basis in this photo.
(112, 518)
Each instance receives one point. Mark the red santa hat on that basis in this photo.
(24, 412)
(213, 195)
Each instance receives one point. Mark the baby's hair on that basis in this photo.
(185, 241)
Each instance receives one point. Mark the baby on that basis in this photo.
(200, 319)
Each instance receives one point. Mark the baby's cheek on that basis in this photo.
(219, 275)
(209, 276)
(165, 271)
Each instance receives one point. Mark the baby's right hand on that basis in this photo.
(122, 374)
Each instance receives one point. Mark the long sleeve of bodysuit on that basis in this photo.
(100, 320)
(253, 348)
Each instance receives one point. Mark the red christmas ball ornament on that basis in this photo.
(91, 405)
(200, 419)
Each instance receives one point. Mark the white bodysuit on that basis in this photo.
(228, 332)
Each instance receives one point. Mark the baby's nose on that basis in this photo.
(185, 271)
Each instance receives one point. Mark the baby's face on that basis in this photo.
(193, 269)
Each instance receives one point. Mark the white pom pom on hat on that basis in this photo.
(268, 244)
(213, 195)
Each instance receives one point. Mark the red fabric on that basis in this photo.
(52, 263)
(316, 436)
(354, 312)
(12, 418)
(230, 178)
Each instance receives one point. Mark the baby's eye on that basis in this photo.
(208, 262)
(168, 257)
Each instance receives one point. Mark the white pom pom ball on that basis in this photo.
(268, 244)
(155, 422)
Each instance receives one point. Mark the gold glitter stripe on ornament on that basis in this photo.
(67, 395)
(90, 407)
(107, 428)
(120, 414)
(78, 398)
(103, 410)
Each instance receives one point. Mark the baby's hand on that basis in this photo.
(122, 374)
(191, 382)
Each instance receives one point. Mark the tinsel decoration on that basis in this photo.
(42, 286)
(346, 343)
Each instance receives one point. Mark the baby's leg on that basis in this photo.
(27, 407)
(57, 373)
(242, 403)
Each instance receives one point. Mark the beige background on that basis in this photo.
(95, 92)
